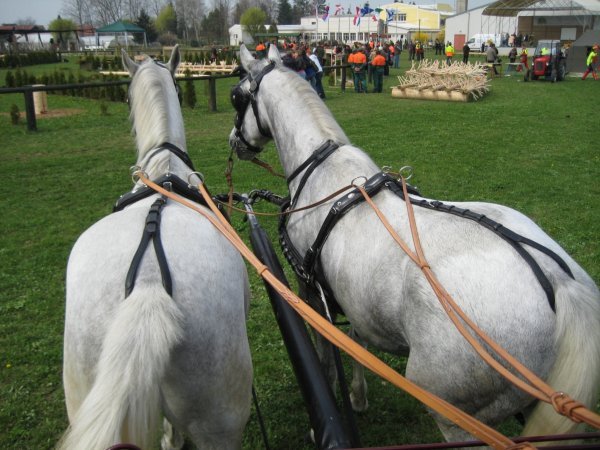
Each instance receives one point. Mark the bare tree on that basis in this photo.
(108, 11)
(155, 6)
(78, 10)
(134, 7)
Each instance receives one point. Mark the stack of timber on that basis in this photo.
(194, 70)
(434, 80)
(199, 70)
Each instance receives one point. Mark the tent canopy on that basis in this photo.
(121, 27)
(510, 8)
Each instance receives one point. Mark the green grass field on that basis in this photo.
(532, 146)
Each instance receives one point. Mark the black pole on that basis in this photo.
(212, 95)
(324, 416)
(30, 110)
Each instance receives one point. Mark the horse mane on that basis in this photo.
(153, 121)
(319, 111)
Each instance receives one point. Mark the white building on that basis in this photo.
(566, 20)
(406, 21)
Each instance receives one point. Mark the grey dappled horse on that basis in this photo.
(175, 343)
(385, 295)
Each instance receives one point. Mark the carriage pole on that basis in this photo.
(324, 416)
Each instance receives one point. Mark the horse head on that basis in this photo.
(249, 134)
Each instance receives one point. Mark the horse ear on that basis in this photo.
(129, 63)
(274, 54)
(245, 56)
(174, 60)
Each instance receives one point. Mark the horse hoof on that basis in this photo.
(309, 438)
(359, 405)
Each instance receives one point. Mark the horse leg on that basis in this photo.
(323, 347)
(358, 387)
(172, 439)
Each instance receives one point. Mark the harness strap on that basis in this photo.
(182, 155)
(318, 156)
(309, 161)
(177, 184)
(306, 267)
(151, 232)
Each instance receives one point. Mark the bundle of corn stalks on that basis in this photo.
(435, 80)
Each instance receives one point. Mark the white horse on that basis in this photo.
(384, 294)
(130, 356)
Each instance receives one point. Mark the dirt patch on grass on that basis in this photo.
(50, 114)
(57, 113)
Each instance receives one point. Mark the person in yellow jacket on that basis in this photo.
(591, 60)
(523, 59)
(449, 52)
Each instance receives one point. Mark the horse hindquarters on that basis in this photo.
(577, 367)
(123, 404)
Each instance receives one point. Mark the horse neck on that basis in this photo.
(157, 119)
(299, 120)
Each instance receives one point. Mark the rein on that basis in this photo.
(337, 337)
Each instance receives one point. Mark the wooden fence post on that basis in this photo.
(30, 110)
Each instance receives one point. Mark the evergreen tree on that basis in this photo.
(166, 22)
(144, 21)
(302, 8)
(286, 14)
(190, 91)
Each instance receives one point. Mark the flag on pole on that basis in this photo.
(365, 10)
(326, 14)
(339, 9)
(375, 17)
(356, 20)
(390, 14)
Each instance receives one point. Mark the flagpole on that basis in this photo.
(317, 15)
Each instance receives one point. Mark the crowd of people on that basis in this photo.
(369, 62)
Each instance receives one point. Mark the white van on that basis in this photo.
(478, 39)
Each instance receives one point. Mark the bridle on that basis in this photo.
(241, 100)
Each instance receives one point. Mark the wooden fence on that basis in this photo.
(28, 91)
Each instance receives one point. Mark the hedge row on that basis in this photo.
(29, 59)
(58, 77)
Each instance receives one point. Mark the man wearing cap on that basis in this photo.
(592, 59)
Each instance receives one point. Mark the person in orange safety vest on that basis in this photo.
(378, 64)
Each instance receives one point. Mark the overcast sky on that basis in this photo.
(44, 11)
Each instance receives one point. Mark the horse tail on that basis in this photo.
(576, 370)
(123, 405)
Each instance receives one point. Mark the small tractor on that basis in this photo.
(549, 62)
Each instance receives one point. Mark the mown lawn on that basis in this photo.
(532, 146)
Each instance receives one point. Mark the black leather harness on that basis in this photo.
(307, 267)
(151, 231)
